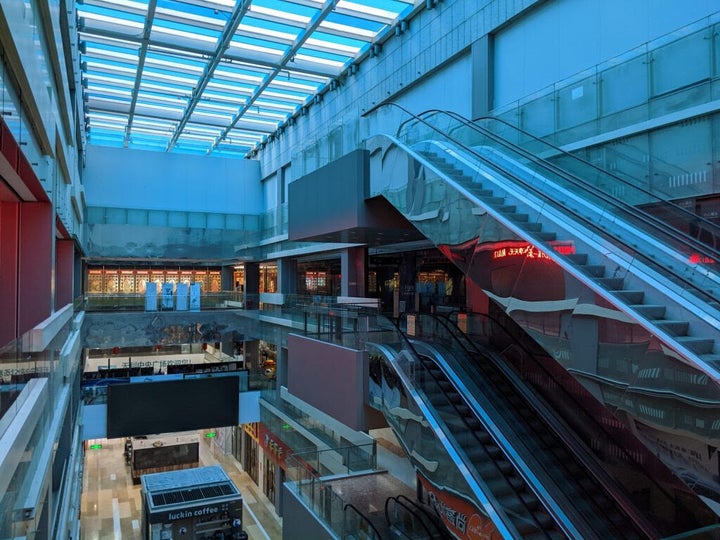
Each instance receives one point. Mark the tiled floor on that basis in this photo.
(111, 503)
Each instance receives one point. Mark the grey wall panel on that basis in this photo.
(329, 199)
(299, 522)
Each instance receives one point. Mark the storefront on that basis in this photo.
(117, 280)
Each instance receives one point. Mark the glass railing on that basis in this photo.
(139, 302)
(304, 476)
(648, 82)
(33, 384)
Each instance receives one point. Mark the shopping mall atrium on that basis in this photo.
(378, 269)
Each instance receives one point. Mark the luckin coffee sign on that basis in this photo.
(194, 513)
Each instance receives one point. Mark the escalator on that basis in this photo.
(623, 308)
(522, 463)
(410, 519)
(463, 183)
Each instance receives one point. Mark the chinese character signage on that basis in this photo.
(461, 517)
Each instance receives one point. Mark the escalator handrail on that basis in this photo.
(670, 237)
(682, 236)
(463, 339)
(411, 511)
(528, 475)
(363, 517)
(709, 225)
(557, 424)
(501, 521)
(667, 272)
(424, 511)
(689, 285)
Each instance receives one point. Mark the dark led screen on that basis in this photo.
(169, 406)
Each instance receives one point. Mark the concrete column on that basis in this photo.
(64, 272)
(78, 271)
(353, 269)
(226, 278)
(281, 372)
(287, 276)
(252, 285)
(407, 273)
(252, 354)
(482, 76)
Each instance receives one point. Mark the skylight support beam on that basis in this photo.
(165, 47)
(142, 53)
(222, 45)
(289, 54)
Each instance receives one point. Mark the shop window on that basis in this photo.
(268, 278)
(135, 280)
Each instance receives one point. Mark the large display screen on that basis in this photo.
(169, 406)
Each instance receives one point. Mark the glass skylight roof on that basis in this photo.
(215, 76)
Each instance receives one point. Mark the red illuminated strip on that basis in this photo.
(696, 258)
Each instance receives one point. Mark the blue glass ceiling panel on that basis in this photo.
(216, 76)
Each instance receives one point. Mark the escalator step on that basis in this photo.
(521, 505)
(494, 452)
(463, 409)
(697, 344)
(529, 529)
(501, 487)
(651, 311)
(595, 270)
(578, 258)
(611, 283)
(546, 236)
(498, 471)
(475, 453)
(495, 201)
(631, 297)
(676, 328)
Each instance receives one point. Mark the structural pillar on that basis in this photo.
(9, 247)
(353, 270)
(287, 276)
(64, 272)
(252, 285)
(407, 273)
(227, 274)
(35, 266)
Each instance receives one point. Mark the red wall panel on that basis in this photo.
(329, 377)
(64, 266)
(35, 265)
(9, 227)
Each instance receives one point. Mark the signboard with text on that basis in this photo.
(462, 517)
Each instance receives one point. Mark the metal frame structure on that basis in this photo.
(218, 76)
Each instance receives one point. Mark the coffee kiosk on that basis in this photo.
(192, 504)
